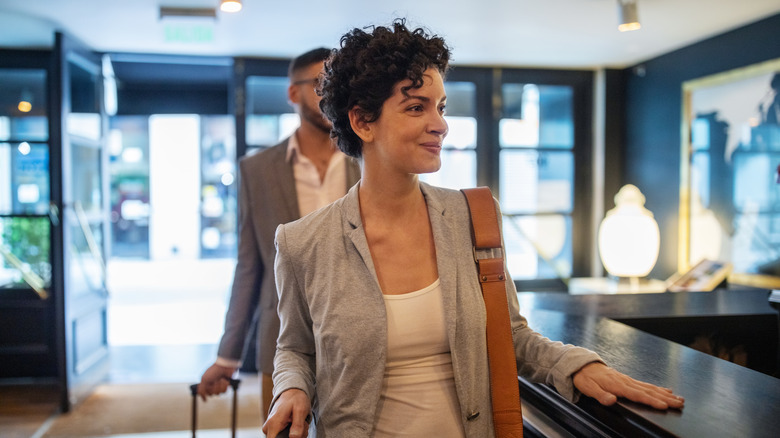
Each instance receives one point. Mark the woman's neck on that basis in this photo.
(389, 200)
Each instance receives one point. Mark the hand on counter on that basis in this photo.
(606, 384)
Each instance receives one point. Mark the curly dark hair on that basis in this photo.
(366, 69)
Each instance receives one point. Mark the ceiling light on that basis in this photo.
(629, 19)
(230, 5)
(25, 102)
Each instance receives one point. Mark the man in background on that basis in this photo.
(283, 183)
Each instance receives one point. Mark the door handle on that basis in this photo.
(54, 214)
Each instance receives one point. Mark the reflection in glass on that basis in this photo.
(268, 130)
(86, 183)
(756, 241)
(731, 119)
(24, 244)
(538, 246)
(128, 148)
(24, 178)
(213, 181)
(458, 170)
(536, 179)
(267, 110)
(87, 265)
(23, 105)
(459, 156)
(84, 86)
(84, 125)
(219, 205)
(461, 99)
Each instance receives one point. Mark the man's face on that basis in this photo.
(306, 99)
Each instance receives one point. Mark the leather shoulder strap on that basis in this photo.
(504, 388)
(484, 230)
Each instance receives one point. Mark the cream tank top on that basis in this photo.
(418, 392)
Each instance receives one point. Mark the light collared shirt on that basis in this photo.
(312, 192)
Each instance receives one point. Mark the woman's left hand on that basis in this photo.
(606, 384)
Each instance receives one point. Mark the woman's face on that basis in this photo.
(408, 134)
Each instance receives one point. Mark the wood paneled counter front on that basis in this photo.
(723, 399)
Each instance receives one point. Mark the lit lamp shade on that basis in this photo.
(629, 239)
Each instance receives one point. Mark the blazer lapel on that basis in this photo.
(446, 258)
(288, 199)
(354, 229)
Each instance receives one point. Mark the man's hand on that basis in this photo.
(215, 380)
(606, 385)
(291, 408)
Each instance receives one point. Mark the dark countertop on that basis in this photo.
(722, 398)
(720, 302)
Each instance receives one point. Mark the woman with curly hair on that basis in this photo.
(382, 317)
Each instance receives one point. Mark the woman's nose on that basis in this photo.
(439, 125)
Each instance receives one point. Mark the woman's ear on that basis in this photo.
(359, 124)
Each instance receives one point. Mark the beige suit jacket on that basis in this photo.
(267, 198)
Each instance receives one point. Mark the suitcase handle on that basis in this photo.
(234, 418)
(285, 433)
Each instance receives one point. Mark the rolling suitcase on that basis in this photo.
(234, 410)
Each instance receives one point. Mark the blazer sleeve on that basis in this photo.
(539, 358)
(245, 292)
(294, 363)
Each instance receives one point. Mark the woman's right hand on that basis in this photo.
(291, 408)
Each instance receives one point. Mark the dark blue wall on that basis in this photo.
(653, 117)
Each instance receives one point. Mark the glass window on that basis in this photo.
(86, 183)
(213, 182)
(269, 116)
(23, 105)
(25, 254)
(459, 155)
(128, 146)
(219, 206)
(536, 179)
(24, 180)
(87, 272)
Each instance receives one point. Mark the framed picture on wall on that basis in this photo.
(729, 194)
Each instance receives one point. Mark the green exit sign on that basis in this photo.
(189, 33)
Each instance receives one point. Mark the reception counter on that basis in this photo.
(722, 398)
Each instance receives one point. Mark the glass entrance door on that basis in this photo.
(84, 217)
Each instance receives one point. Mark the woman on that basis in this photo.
(382, 318)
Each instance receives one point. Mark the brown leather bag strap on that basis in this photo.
(504, 388)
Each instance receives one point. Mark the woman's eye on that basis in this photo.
(443, 109)
(416, 108)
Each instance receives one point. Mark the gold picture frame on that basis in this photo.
(729, 141)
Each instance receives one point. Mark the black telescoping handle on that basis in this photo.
(234, 419)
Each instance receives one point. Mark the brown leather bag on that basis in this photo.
(504, 387)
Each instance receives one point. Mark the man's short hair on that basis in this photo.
(311, 57)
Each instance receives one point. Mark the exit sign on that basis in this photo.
(190, 33)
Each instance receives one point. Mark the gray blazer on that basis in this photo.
(332, 343)
(267, 198)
